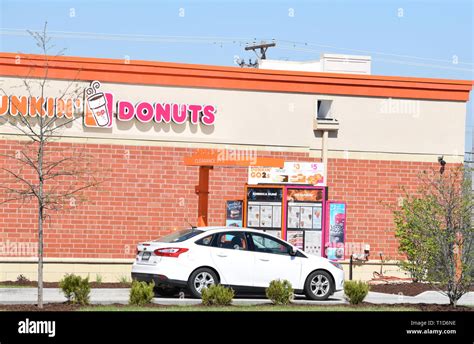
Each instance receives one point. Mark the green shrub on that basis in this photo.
(280, 292)
(98, 279)
(76, 289)
(22, 279)
(124, 280)
(356, 291)
(217, 295)
(141, 293)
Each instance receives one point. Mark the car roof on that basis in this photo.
(229, 228)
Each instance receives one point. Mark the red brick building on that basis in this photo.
(388, 129)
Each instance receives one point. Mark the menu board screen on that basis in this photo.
(264, 208)
(305, 195)
(296, 238)
(304, 215)
(264, 215)
(312, 242)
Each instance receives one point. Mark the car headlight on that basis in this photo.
(336, 264)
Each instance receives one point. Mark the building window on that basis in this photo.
(324, 109)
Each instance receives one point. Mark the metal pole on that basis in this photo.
(324, 153)
(350, 268)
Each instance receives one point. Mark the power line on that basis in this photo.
(129, 37)
(408, 63)
(372, 52)
(282, 44)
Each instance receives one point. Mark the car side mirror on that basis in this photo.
(292, 251)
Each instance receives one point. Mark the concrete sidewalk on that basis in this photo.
(115, 295)
(54, 295)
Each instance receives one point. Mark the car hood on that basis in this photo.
(317, 259)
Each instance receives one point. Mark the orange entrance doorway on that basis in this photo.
(207, 159)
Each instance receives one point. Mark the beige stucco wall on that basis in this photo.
(109, 270)
(370, 128)
(377, 125)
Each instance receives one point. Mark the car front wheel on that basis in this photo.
(319, 285)
(200, 279)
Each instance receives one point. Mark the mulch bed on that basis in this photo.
(59, 307)
(56, 284)
(67, 307)
(408, 289)
(47, 307)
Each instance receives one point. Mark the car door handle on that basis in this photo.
(222, 255)
(264, 259)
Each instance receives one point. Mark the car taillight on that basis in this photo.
(170, 251)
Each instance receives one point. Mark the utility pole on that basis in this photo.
(261, 55)
(263, 49)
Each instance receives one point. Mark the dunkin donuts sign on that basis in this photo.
(98, 107)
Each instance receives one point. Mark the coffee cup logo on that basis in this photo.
(98, 104)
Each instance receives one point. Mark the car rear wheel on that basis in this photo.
(200, 279)
(319, 285)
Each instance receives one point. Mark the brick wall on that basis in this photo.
(147, 191)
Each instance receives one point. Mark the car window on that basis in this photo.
(232, 240)
(179, 236)
(206, 241)
(263, 243)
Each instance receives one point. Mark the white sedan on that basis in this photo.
(245, 259)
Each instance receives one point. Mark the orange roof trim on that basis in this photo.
(232, 78)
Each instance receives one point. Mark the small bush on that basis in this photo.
(280, 292)
(124, 280)
(98, 279)
(141, 293)
(356, 291)
(22, 279)
(76, 289)
(217, 295)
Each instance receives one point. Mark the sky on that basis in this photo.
(420, 38)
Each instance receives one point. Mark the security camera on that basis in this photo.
(367, 251)
(442, 163)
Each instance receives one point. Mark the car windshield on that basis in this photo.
(179, 236)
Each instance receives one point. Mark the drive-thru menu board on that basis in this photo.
(295, 213)
(304, 219)
(264, 208)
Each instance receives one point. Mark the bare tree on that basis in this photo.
(40, 171)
